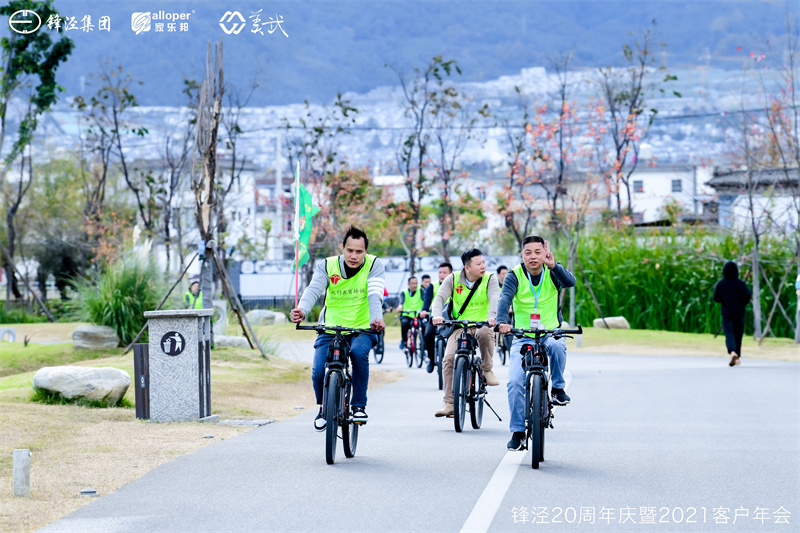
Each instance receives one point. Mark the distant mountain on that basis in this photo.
(344, 45)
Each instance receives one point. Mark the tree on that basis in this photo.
(314, 143)
(625, 92)
(105, 114)
(204, 187)
(514, 202)
(177, 152)
(421, 98)
(452, 122)
(27, 60)
(783, 120)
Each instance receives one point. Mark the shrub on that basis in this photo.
(119, 296)
(19, 316)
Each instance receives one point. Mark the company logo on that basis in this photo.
(141, 22)
(24, 21)
(235, 27)
(459, 290)
(173, 343)
(335, 278)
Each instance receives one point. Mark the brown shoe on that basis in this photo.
(734, 359)
(738, 360)
(491, 379)
(446, 410)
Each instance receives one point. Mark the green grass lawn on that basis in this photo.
(16, 358)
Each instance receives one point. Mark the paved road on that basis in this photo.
(682, 435)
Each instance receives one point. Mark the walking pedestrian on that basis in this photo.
(734, 295)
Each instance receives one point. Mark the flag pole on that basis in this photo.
(296, 233)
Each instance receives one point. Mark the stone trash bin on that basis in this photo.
(173, 371)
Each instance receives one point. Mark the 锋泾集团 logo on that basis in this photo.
(335, 278)
(141, 22)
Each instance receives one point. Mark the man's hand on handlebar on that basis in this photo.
(492, 322)
(437, 320)
(504, 328)
(378, 325)
(423, 314)
(296, 315)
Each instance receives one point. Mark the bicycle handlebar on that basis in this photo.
(464, 323)
(558, 332)
(322, 328)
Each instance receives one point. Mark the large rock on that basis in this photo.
(227, 341)
(614, 322)
(94, 337)
(263, 317)
(72, 382)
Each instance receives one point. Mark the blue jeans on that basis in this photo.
(359, 358)
(557, 359)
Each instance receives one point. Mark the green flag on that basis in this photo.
(307, 210)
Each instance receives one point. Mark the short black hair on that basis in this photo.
(446, 265)
(412, 277)
(501, 268)
(356, 234)
(532, 238)
(425, 276)
(467, 256)
(194, 283)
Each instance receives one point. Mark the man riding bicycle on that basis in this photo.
(445, 269)
(475, 296)
(410, 303)
(353, 284)
(533, 287)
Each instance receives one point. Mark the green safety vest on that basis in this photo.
(438, 284)
(412, 303)
(346, 302)
(478, 308)
(525, 303)
(190, 301)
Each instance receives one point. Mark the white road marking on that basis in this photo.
(492, 496)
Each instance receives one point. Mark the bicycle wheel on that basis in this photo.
(331, 416)
(410, 351)
(545, 418)
(535, 420)
(439, 354)
(503, 353)
(460, 393)
(349, 429)
(377, 351)
(476, 401)
(419, 349)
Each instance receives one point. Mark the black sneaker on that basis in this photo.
(431, 365)
(359, 415)
(320, 422)
(559, 397)
(517, 442)
(402, 346)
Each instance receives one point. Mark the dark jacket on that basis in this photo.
(732, 292)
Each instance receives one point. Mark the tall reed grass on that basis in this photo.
(666, 281)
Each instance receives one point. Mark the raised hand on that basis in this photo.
(549, 260)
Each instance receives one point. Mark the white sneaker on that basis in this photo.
(320, 423)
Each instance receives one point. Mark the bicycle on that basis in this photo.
(539, 414)
(503, 348)
(415, 344)
(469, 383)
(337, 389)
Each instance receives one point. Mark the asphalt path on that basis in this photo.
(686, 442)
